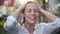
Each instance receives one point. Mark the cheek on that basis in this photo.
(37, 14)
(27, 14)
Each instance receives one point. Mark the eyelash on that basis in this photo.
(34, 11)
(29, 11)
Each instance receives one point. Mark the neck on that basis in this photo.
(30, 27)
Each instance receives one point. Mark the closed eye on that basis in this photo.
(36, 11)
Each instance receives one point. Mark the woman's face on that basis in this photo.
(31, 13)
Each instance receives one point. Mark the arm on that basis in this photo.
(17, 13)
(50, 16)
(12, 20)
(50, 27)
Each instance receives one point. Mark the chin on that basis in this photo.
(32, 22)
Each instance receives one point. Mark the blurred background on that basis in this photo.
(9, 6)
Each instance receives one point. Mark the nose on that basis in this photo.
(33, 13)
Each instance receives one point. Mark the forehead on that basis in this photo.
(32, 5)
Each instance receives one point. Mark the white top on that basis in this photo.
(13, 27)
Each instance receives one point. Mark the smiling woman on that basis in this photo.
(24, 1)
(31, 11)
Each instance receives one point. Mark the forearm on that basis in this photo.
(16, 14)
(48, 15)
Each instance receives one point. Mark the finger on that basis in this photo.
(22, 7)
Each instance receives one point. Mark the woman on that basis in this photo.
(31, 12)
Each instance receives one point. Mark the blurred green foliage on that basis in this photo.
(55, 11)
(2, 22)
(2, 31)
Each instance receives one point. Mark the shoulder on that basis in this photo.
(40, 24)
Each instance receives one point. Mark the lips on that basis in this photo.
(32, 18)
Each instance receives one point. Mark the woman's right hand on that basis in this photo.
(22, 7)
(17, 13)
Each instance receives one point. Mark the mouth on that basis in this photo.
(32, 18)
